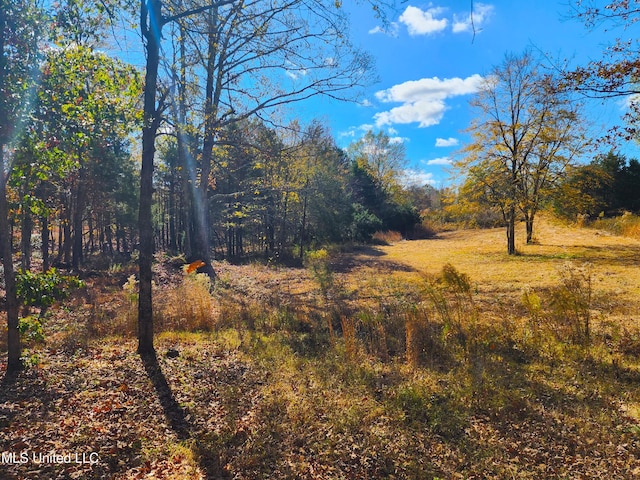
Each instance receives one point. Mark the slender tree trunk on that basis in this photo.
(529, 223)
(201, 204)
(91, 245)
(511, 231)
(60, 242)
(77, 256)
(66, 246)
(150, 22)
(187, 175)
(529, 217)
(14, 348)
(108, 238)
(172, 240)
(25, 240)
(44, 234)
(304, 221)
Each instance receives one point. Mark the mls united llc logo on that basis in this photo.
(12, 458)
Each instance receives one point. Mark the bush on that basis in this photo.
(423, 231)
(42, 290)
(317, 261)
(565, 309)
(30, 329)
(363, 223)
(570, 304)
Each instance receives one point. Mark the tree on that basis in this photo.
(522, 127)
(376, 167)
(583, 191)
(260, 57)
(560, 141)
(21, 24)
(382, 157)
(608, 185)
(88, 105)
(152, 21)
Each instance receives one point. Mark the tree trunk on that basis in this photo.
(150, 21)
(201, 203)
(511, 231)
(25, 240)
(303, 224)
(78, 213)
(529, 223)
(44, 224)
(14, 348)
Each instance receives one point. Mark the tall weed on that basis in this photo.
(189, 306)
(565, 309)
(627, 225)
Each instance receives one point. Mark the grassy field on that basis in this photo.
(440, 358)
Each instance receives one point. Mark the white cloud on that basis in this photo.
(465, 22)
(446, 142)
(423, 22)
(439, 161)
(411, 177)
(629, 102)
(366, 103)
(392, 131)
(330, 62)
(391, 30)
(294, 71)
(357, 131)
(425, 113)
(393, 140)
(423, 101)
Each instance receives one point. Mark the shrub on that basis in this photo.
(423, 231)
(317, 262)
(30, 328)
(565, 309)
(570, 303)
(42, 290)
(363, 223)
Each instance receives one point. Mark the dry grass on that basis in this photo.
(481, 254)
(388, 237)
(425, 359)
(627, 225)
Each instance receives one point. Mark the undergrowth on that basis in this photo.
(626, 224)
(403, 378)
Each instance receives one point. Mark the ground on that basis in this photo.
(264, 379)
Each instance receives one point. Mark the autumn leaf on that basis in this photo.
(193, 266)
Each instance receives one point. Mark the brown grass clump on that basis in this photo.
(188, 306)
(388, 237)
(627, 225)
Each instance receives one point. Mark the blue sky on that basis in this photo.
(429, 63)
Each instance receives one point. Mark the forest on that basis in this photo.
(198, 285)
